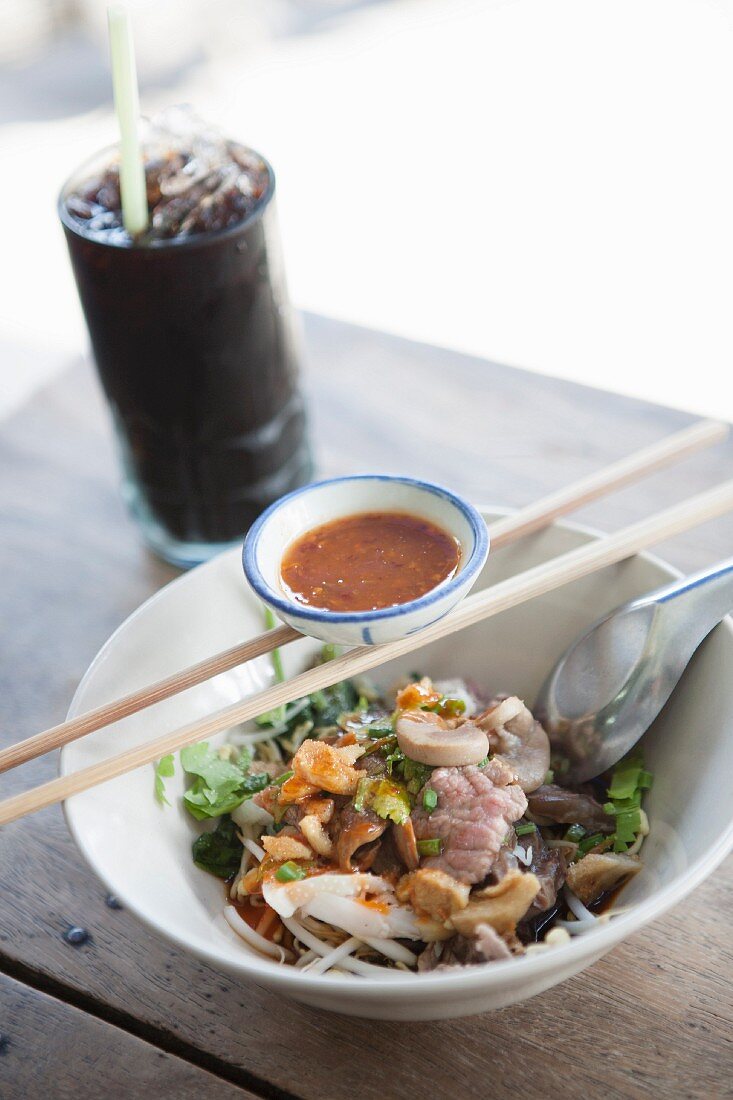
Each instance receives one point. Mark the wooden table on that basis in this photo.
(127, 1014)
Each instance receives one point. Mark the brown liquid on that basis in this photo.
(196, 354)
(369, 561)
(254, 915)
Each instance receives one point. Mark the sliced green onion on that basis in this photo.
(452, 707)
(590, 842)
(525, 829)
(289, 872)
(625, 780)
(431, 847)
(549, 776)
(377, 730)
(628, 824)
(363, 790)
(575, 833)
(632, 803)
(283, 778)
(429, 799)
(645, 780)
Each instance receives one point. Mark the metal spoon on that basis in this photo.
(610, 685)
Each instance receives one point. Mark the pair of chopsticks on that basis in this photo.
(481, 605)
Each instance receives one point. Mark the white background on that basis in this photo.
(548, 183)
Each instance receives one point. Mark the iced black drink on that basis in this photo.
(192, 336)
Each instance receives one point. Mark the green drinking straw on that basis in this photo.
(127, 105)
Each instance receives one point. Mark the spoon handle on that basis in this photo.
(702, 599)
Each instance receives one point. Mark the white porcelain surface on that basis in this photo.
(313, 505)
(142, 851)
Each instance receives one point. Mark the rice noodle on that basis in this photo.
(585, 918)
(564, 845)
(392, 950)
(327, 932)
(337, 955)
(575, 927)
(356, 966)
(257, 942)
(577, 907)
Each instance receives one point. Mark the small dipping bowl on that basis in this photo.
(300, 511)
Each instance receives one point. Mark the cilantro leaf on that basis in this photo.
(219, 785)
(164, 769)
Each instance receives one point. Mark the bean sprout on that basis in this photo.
(392, 950)
(254, 848)
(325, 962)
(257, 942)
(356, 966)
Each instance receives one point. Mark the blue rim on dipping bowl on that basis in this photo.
(323, 501)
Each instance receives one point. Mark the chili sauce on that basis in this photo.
(368, 561)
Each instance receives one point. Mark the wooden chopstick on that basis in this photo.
(509, 593)
(66, 732)
(524, 522)
(640, 464)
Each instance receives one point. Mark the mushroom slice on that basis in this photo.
(427, 739)
(406, 844)
(518, 740)
(355, 829)
(599, 872)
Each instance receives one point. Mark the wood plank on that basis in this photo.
(653, 1018)
(49, 1049)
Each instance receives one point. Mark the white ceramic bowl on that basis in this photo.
(142, 851)
(305, 508)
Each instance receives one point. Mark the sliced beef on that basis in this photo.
(553, 804)
(505, 860)
(474, 811)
